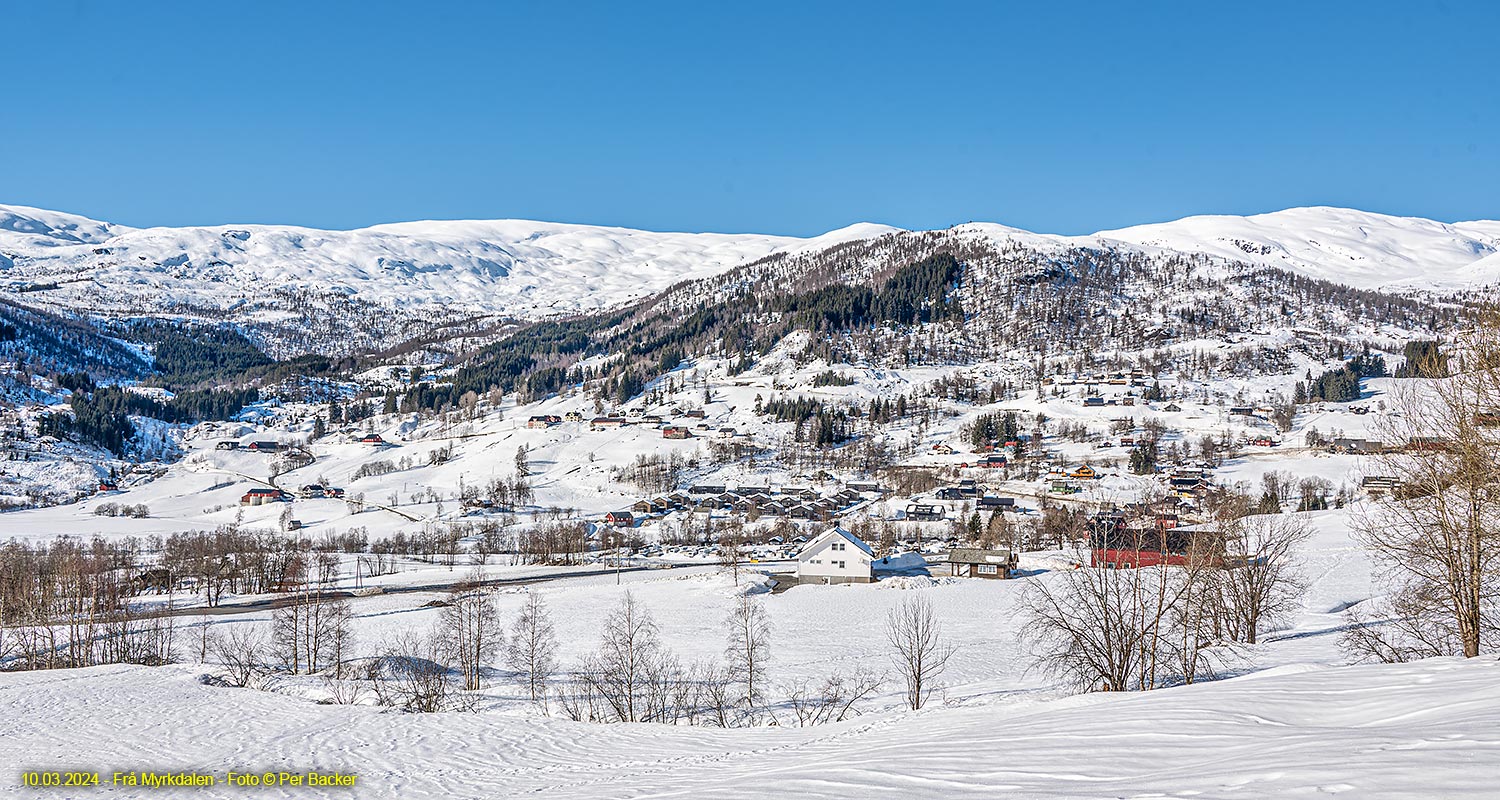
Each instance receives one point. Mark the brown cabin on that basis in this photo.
(976, 563)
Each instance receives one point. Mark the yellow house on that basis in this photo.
(1083, 472)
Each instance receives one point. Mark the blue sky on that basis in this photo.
(777, 117)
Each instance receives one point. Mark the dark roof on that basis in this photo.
(967, 555)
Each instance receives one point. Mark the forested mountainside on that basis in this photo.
(35, 340)
(1027, 305)
(964, 296)
(295, 291)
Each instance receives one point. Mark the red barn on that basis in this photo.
(1114, 545)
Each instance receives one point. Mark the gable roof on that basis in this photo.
(836, 531)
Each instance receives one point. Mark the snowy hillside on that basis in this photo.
(1355, 248)
(1294, 721)
(513, 267)
(531, 269)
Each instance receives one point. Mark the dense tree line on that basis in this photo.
(1423, 359)
(992, 428)
(186, 355)
(1340, 385)
(102, 417)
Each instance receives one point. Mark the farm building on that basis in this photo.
(256, 497)
(1115, 545)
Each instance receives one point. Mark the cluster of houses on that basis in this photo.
(1070, 480)
(790, 501)
(261, 495)
(1134, 377)
(315, 490)
(267, 446)
(1188, 482)
(636, 417)
(291, 451)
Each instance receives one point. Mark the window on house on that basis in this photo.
(841, 565)
(988, 569)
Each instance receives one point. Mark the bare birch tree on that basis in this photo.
(919, 651)
(748, 650)
(630, 655)
(1437, 536)
(470, 629)
(532, 649)
(1259, 586)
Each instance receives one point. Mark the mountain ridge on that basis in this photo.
(301, 289)
(1405, 252)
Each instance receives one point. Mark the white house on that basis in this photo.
(836, 556)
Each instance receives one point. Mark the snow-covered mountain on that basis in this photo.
(530, 268)
(514, 267)
(304, 289)
(1355, 248)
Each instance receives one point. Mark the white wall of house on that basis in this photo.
(836, 556)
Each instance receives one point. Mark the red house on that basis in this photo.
(620, 519)
(373, 438)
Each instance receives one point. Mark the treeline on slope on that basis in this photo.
(186, 355)
(652, 340)
(1424, 359)
(191, 356)
(101, 417)
(42, 343)
(1340, 385)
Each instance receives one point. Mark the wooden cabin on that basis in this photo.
(976, 563)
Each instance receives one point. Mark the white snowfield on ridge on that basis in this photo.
(514, 267)
(533, 269)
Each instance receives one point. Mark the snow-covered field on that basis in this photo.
(1293, 721)
(1287, 717)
